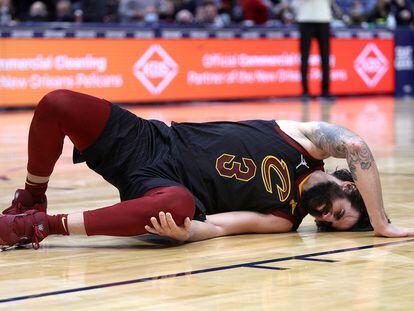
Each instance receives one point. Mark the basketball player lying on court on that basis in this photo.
(195, 181)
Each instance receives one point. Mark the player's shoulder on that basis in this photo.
(294, 129)
(299, 131)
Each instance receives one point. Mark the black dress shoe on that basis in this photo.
(305, 98)
(327, 98)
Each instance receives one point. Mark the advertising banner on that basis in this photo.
(404, 62)
(134, 70)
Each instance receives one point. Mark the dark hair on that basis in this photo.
(363, 223)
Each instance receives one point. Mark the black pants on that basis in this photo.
(320, 31)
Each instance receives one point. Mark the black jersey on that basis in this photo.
(228, 166)
(248, 165)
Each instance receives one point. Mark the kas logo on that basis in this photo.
(155, 69)
(371, 65)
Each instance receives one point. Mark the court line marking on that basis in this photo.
(266, 267)
(317, 259)
(201, 271)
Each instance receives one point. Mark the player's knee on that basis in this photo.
(185, 203)
(180, 203)
(53, 104)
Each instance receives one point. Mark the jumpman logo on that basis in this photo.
(302, 162)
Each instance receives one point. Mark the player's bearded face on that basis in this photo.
(332, 204)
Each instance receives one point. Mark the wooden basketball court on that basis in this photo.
(295, 271)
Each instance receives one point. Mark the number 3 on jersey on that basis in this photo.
(227, 167)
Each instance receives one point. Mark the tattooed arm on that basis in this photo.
(328, 140)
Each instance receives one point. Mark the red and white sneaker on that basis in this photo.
(23, 201)
(29, 227)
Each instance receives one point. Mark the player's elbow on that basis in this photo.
(278, 225)
(357, 146)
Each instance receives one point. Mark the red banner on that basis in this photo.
(131, 70)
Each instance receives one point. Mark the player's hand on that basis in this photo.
(392, 231)
(166, 226)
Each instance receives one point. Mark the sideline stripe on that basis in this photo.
(201, 271)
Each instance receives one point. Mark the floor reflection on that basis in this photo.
(383, 122)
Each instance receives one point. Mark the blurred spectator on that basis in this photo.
(256, 11)
(138, 10)
(6, 12)
(208, 13)
(38, 12)
(93, 11)
(214, 12)
(64, 12)
(226, 9)
(189, 5)
(166, 11)
(111, 14)
(380, 13)
(403, 12)
(353, 12)
(184, 17)
(356, 13)
(283, 11)
(22, 9)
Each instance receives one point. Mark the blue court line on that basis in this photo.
(317, 259)
(266, 267)
(201, 271)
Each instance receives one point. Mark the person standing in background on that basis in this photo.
(314, 17)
